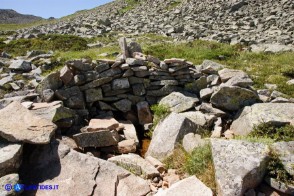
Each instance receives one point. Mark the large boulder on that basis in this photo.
(273, 113)
(17, 124)
(10, 157)
(51, 81)
(239, 165)
(136, 165)
(233, 98)
(169, 132)
(178, 102)
(188, 186)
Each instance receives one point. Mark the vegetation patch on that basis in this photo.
(276, 133)
(130, 4)
(45, 42)
(174, 4)
(160, 112)
(198, 163)
(277, 171)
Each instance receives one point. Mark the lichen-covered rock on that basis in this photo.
(285, 151)
(136, 165)
(178, 102)
(274, 113)
(233, 98)
(239, 165)
(8, 179)
(169, 132)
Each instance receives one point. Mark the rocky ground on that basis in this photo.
(142, 122)
(81, 127)
(263, 23)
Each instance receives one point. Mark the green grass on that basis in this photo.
(198, 163)
(263, 68)
(47, 42)
(159, 113)
(276, 133)
(174, 4)
(277, 171)
(89, 53)
(14, 27)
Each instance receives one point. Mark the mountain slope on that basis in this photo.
(234, 21)
(8, 16)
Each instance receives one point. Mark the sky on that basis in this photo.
(48, 8)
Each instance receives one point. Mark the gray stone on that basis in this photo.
(134, 47)
(72, 97)
(197, 85)
(240, 80)
(133, 62)
(8, 179)
(124, 48)
(96, 83)
(122, 83)
(5, 80)
(209, 109)
(273, 113)
(188, 186)
(227, 74)
(110, 73)
(10, 157)
(54, 111)
(97, 139)
(136, 164)
(114, 180)
(200, 119)
(20, 65)
(66, 75)
(144, 113)
(79, 65)
(102, 67)
(127, 146)
(239, 165)
(48, 95)
(178, 102)
(51, 81)
(210, 67)
(93, 95)
(123, 105)
(19, 124)
(233, 98)
(169, 132)
(285, 150)
(129, 131)
(192, 141)
(139, 89)
(206, 93)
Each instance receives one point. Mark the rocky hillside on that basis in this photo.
(8, 16)
(242, 21)
(80, 129)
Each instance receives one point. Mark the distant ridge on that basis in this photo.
(9, 16)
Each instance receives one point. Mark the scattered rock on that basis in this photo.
(10, 157)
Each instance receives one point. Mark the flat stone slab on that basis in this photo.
(274, 113)
(97, 139)
(239, 165)
(136, 165)
(188, 186)
(10, 157)
(18, 124)
(178, 102)
(102, 124)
